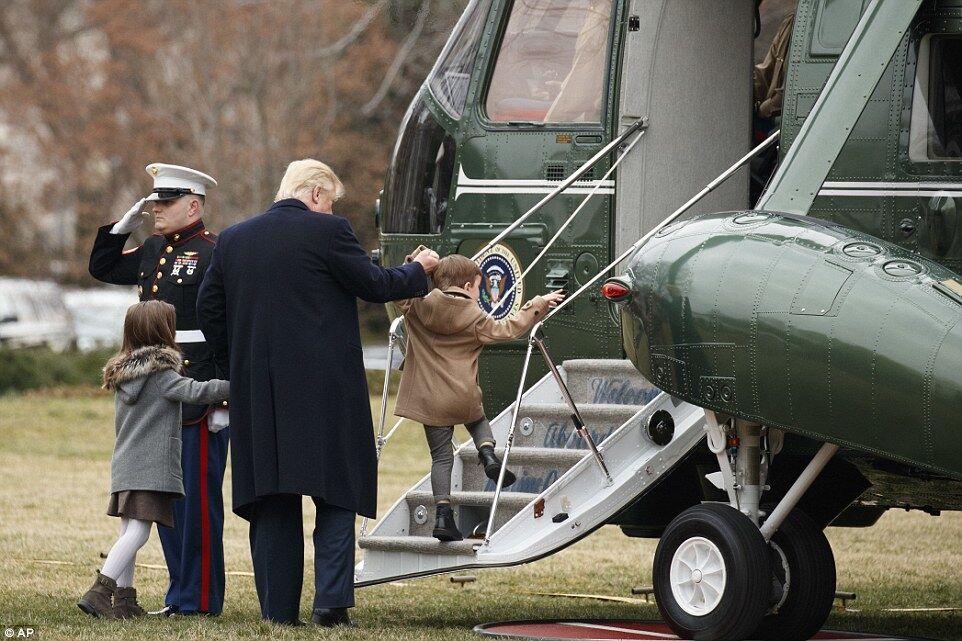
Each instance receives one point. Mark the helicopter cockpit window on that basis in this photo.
(419, 179)
(551, 63)
(936, 132)
(451, 75)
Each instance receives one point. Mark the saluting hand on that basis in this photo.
(133, 219)
(428, 259)
(554, 297)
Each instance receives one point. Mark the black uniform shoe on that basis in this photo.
(166, 611)
(492, 466)
(331, 617)
(445, 529)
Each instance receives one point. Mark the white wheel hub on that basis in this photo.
(698, 576)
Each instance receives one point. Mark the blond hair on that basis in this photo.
(303, 175)
(454, 271)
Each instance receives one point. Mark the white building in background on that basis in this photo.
(98, 314)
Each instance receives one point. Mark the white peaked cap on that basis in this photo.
(174, 181)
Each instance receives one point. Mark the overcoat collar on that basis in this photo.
(289, 202)
(457, 291)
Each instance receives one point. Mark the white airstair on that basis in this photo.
(561, 494)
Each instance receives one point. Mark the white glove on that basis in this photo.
(131, 220)
(219, 419)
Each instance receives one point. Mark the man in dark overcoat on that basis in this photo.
(279, 308)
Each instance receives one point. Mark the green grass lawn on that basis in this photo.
(54, 478)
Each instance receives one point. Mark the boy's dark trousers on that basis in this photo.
(277, 548)
(194, 547)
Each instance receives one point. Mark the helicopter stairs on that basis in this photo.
(560, 495)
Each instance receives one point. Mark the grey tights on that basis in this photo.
(442, 453)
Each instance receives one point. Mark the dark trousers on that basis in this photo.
(277, 548)
(194, 547)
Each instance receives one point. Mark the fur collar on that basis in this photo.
(140, 362)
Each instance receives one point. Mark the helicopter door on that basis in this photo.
(544, 107)
(688, 68)
(935, 148)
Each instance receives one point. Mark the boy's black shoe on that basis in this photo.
(331, 617)
(492, 466)
(445, 529)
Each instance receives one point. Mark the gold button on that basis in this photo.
(154, 289)
(176, 236)
(141, 274)
(163, 261)
(180, 280)
(186, 362)
(224, 403)
(160, 274)
(207, 233)
(169, 249)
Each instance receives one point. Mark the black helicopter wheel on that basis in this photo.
(712, 574)
(804, 571)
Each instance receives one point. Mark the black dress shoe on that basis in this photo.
(445, 528)
(492, 466)
(166, 611)
(330, 617)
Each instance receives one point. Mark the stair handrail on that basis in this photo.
(550, 244)
(641, 123)
(535, 337)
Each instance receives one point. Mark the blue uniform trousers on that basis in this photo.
(194, 547)
(277, 549)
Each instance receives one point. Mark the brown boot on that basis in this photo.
(125, 604)
(97, 602)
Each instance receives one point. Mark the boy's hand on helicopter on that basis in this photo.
(428, 259)
(555, 297)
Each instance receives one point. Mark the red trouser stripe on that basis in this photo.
(204, 521)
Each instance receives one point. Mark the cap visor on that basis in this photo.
(156, 196)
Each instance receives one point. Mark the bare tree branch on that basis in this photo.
(353, 33)
(398, 63)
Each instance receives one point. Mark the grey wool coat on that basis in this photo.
(149, 392)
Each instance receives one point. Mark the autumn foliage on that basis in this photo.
(93, 90)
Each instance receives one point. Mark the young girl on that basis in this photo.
(145, 474)
(446, 331)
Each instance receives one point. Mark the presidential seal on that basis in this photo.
(500, 270)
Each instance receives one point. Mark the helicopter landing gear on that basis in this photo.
(803, 568)
(712, 574)
(720, 576)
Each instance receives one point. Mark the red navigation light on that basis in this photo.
(615, 291)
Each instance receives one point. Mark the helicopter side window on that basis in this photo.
(936, 131)
(551, 63)
(419, 179)
(451, 75)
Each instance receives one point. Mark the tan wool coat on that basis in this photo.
(446, 331)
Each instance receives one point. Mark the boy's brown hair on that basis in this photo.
(454, 271)
(150, 323)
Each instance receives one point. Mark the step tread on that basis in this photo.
(516, 500)
(418, 545)
(617, 365)
(586, 409)
(521, 455)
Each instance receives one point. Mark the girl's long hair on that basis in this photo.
(149, 323)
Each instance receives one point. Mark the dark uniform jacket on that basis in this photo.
(279, 302)
(168, 268)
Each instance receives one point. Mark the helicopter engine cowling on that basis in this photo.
(805, 325)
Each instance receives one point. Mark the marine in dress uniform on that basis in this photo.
(170, 266)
